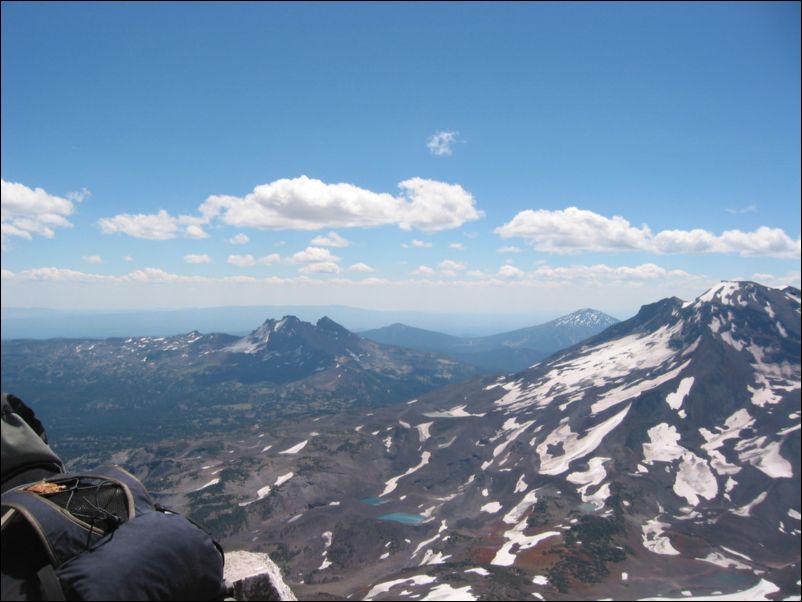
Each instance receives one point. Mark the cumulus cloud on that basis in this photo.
(159, 226)
(440, 143)
(308, 204)
(195, 231)
(332, 239)
(458, 246)
(79, 196)
(314, 254)
(361, 267)
(510, 249)
(450, 268)
(269, 259)
(246, 261)
(28, 211)
(241, 261)
(305, 203)
(53, 274)
(417, 244)
(451, 265)
(128, 258)
(92, 258)
(320, 267)
(573, 230)
(447, 267)
(646, 271)
(239, 239)
(194, 258)
(154, 226)
(510, 271)
(772, 242)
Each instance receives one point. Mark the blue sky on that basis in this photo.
(476, 157)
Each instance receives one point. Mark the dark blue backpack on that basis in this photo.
(101, 537)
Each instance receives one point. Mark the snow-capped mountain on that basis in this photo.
(504, 352)
(660, 456)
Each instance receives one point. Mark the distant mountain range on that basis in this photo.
(658, 458)
(285, 368)
(162, 386)
(506, 352)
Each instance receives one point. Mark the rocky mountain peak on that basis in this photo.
(586, 317)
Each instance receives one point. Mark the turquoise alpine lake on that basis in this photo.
(373, 501)
(403, 517)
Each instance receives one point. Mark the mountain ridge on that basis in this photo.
(506, 351)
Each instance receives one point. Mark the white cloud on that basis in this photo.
(447, 267)
(742, 210)
(772, 242)
(320, 267)
(646, 271)
(246, 261)
(687, 241)
(457, 246)
(510, 271)
(308, 204)
(789, 279)
(195, 231)
(193, 258)
(573, 230)
(450, 265)
(159, 226)
(53, 274)
(128, 258)
(509, 249)
(417, 244)
(92, 258)
(361, 267)
(79, 196)
(157, 275)
(332, 239)
(440, 143)
(314, 254)
(27, 211)
(269, 259)
(239, 239)
(241, 261)
(153, 226)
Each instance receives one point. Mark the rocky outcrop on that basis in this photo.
(255, 577)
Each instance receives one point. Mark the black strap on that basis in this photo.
(50, 584)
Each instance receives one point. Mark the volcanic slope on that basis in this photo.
(660, 457)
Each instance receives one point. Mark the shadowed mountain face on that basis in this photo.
(659, 456)
(155, 387)
(506, 352)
